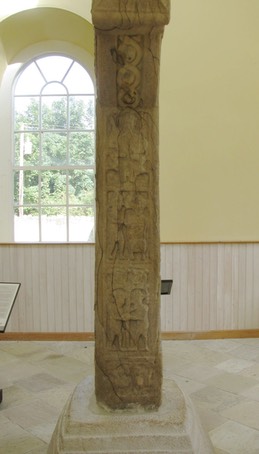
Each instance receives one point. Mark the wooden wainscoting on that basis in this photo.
(57, 286)
(215, 289)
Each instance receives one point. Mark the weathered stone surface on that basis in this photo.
(108, 14)
(128, 360)
(127, 412)
(174, 428)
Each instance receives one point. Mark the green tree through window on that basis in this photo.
(54, 186)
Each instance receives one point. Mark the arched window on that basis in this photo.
(53, 151)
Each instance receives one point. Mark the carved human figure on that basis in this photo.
(120, 328)
(139, 318)
(132, 147)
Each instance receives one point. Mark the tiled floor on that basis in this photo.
(220, 376)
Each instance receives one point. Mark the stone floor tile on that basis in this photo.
(17, 370)
(235, 438)
(213, 373)
(252, 393)
(39, 382)
(248, 352)
(57, 397)
(252, 371)
(13, 396)
(31, 414)
(187, 386)
(23, 348)
(220, 451)
(15, 440)
(174, 364)
(252, 341)
(198, 372)
(216, 399)
(210, 419)
(234, 383)
(246, 413)
(234, 365)
(220, 345)
(42, 450)
(65, 368)
(43, 431)
(22, 444)
(6, 357)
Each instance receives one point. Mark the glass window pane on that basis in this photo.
(81, 187)
(26, 227)
(54, 112)
(26, 187)
(53, 224)
(31, 187)
(26, 110)
(54, 88)
(81, 112)
(54, 148)
(53, 187)
(54, 67)
(30, 81)
(81, 225)
(78, 80)
(81, 148)
(54, 123)
(26, 148)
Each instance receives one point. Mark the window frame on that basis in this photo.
(11, 74)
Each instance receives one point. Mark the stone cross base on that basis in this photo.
(84, 427)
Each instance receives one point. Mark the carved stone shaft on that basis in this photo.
(128, 369)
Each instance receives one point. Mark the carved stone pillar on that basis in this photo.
(127, 355)
(128, 368)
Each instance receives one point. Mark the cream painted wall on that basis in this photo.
(209, 123)
(3, 62)
(80, 7)
(209, 114)
(39, 25)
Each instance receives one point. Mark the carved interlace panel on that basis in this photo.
(128, 55)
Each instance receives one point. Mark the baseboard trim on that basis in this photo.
(203, 335)
(37, 336)
(177, 335)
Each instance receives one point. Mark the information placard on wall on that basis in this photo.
(8, 294)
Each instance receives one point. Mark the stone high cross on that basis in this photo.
(128, 370)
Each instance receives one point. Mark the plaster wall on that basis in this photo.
(209, 122)
(209, 115)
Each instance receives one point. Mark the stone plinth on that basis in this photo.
(84, 427)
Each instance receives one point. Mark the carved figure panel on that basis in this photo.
(127, 309)
(127, 160)
(129, 378)
(127, 215)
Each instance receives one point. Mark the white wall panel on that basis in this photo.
(216, 287)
